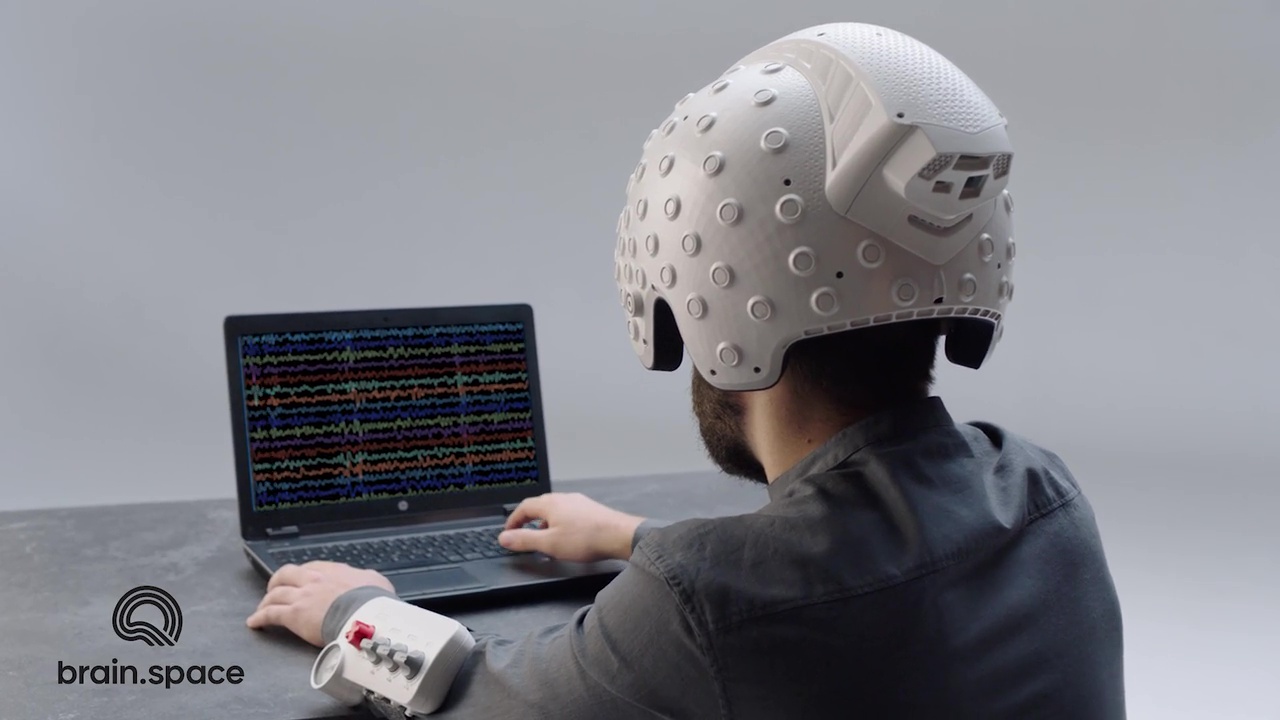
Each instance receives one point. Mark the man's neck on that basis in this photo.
(782, 429)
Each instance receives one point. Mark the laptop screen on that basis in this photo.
(341, 417)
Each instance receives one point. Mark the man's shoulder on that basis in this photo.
(1003, 438)
(834, 534)
(1023, 464)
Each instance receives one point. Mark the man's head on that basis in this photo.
(836, 378)
(807, 224)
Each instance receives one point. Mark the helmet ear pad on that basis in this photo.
(668, 345)
(969, 342)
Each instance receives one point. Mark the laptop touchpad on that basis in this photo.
(434, 581)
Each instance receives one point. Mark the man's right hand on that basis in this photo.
(575, 527)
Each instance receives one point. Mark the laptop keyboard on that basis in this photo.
(408, 551)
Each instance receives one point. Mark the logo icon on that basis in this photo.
(129, 629)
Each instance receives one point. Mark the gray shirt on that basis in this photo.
(911, 567)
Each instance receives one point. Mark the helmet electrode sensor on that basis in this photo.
(841, 177)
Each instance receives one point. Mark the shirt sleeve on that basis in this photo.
(644, 528)
(634, 653)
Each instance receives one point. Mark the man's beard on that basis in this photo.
(722, 425)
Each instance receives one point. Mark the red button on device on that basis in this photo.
(359, 632)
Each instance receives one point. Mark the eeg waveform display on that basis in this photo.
(371, 414)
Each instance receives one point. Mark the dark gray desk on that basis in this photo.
(62, 571)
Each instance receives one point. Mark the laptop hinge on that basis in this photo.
(286, 531)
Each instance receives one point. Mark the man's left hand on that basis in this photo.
(298, 596)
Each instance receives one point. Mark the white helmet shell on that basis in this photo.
(841, 177)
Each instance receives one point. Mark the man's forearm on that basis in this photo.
(605, 661)
(347, 603)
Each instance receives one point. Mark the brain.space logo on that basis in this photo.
(145, 600)
(123, 622)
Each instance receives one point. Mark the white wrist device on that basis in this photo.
(393, 653)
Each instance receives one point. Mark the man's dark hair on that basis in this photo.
(869, 369)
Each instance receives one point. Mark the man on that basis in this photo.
(807, 227)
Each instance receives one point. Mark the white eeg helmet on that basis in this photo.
(841, 177)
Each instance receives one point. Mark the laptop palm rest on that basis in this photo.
(429, 582)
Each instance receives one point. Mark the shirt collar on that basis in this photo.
(898, 421)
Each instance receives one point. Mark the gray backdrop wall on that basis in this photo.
(165, 163)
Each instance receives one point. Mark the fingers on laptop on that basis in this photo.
(530, 509)
(522, 540)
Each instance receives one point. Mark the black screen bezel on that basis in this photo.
(255, 524)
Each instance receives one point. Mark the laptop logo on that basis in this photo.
(129, 629)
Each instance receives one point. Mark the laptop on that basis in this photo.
(396, 440)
